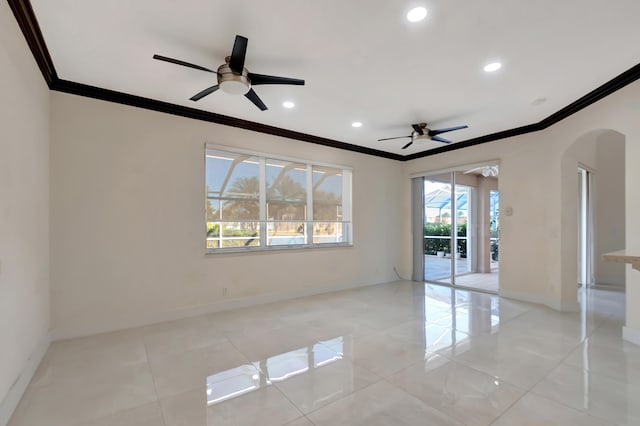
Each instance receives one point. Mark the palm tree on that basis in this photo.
(287, 199)
(241, 200)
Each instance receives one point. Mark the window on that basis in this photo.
(257, 202)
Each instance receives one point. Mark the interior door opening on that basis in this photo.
(585, 228)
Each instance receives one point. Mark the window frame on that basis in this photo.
(264, 158)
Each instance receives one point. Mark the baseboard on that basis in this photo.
(631, 335)
(564, 306)
(609, 287)
(523, 296)
(540, 300)
(11, 400)
(81, 330)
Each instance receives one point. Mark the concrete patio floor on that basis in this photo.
(438, 269)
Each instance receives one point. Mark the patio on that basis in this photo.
(437, 269)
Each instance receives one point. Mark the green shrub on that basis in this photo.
(438, 229)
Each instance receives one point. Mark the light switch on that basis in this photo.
(508, 211)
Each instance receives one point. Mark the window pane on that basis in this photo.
(329, 232)
(327, 193)
(286, 233)
(233, 187)
(240, 234)
(286, 191)
(233, 200)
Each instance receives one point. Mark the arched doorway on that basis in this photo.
(587, 234)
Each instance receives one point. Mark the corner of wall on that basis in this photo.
(17, 389)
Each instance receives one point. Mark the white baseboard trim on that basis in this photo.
(564, 306)
(540, 300)
(523, 296)
(631, 335)
(11, 400)
(80, 330)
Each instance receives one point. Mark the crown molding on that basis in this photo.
(197, 114)
(29, 25)
(613, 85)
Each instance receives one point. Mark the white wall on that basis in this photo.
(632, 223)
(127, 212)
(610, 198)
(532, 254)
(24, 211)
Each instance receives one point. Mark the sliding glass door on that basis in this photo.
(438, 211)
(449, 227)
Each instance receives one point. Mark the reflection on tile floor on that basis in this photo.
(398, 353)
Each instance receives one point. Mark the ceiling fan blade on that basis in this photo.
(439, 139)
(183, 63)
(418, 128)
(205, 92)
(474, 170)
(236, 63)
(257, 79)
(448, 129)
(253, 97)
(407, 145)
(399, 137)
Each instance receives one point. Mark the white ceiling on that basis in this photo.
(361, 59)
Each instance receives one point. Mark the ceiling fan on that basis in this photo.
(233, 77)
(485, 171)
(421, 132)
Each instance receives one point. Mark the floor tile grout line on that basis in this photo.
(344, 397)
(451, 359)
(530, 390)
(153, 379)
(290, 401)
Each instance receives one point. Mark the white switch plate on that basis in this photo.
(508, 211)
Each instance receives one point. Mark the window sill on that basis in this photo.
(276, 248)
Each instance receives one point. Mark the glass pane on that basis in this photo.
(464, 206)
(233, 187)
(437, 228)
(494, 223)
(232, 205)
(327, 194)
(240, 234)
(286, 191)
(213, 234)
(328, 232)
(286, 233)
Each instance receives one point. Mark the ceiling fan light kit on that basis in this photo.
(233, 83)
(233, 77)
(422, 133)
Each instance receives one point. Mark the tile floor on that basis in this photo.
(396, 354)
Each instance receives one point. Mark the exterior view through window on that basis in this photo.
(255, 201)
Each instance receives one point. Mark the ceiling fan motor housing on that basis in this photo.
(233, 83)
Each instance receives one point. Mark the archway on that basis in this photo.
(602, 152)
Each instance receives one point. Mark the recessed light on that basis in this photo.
(288, 104)
(494, 66)
(356, 124)
(417, 14)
